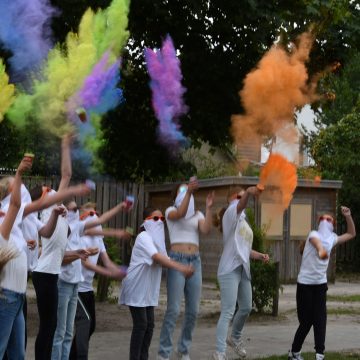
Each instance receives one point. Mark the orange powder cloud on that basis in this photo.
(280, 175)
(273, 91)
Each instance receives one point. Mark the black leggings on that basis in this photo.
(85, 322)
(311, 310)
(47, 302)
(143, 327)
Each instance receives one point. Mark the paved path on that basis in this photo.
(263, 337)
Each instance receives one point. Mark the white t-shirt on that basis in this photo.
(87, 242)
(52, 252)
(237, 240)
(312, 268)
(14, 274)
(31, 226)
(184, 230)
(71, 273)
(141, 287)
(16, 231)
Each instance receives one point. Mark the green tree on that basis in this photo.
(334, 146)
(219, 42)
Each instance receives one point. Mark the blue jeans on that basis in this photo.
(12, 325)
(234, 287)
(68, 294)
(177, 286)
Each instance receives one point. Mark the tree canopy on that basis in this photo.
(218, 42)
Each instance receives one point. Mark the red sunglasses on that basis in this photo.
(156, 218)
(327, 218)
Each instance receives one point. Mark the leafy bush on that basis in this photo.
(265, 286)
(265, 277)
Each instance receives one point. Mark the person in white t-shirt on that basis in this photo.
(141, 287)
(312, 282)
(184, 225)
(234, 272)
(71, 275)
(13, 276)
(45, 274)
(85, 318)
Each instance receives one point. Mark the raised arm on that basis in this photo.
(66, 169)
(205, 224)
(251, 190)
(49, 200)
(50, 226)
(15, 199)
(350, 231)
(181, 211)
(106, 216)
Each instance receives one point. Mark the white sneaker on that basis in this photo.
(319, 356)
(295, 355)
(159, 357)
(181, 356)
(218, 356)
(237, 346)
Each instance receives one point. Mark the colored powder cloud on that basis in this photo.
(273, 90)
(25, 31)
(279, 178)
(68, 65)
(6, 91)
(98, 95)
(167, 93)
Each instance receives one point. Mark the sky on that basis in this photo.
(305, 117)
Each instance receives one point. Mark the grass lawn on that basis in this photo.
(328, 356)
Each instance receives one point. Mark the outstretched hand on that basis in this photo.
(210, 199)
(24, 165)
(193, 184)
(345, 211)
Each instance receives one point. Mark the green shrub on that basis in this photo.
(265, 286)
(265, 277)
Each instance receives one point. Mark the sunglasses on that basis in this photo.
(156, 218)
(75, 209)
(328, 219)
(88, 213)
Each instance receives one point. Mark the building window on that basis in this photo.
(300, 219)
(272, 220)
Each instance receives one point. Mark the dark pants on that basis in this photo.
(47, 303)
(311, 310)
(85, 322)
(142, 332)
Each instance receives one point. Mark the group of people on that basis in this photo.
(72, 242)
(140, 289)
(62, 268)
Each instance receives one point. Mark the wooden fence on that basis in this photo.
(106, 195)
(284, 247)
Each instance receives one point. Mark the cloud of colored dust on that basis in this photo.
(68, 66)
(25, 31)
(167, 93)
(279, 176)
(273, 90)
(6, 91)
